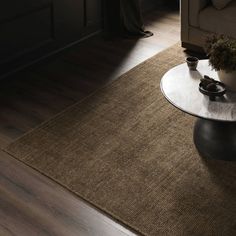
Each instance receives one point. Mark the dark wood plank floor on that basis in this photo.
(30, 203)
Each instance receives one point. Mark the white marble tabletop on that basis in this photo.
(180, 87)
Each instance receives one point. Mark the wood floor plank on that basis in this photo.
(31, 204)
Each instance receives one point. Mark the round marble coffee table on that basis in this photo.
(214, 133)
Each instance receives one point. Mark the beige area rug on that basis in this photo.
(127, 151)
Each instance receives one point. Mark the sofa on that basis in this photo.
(199, 19)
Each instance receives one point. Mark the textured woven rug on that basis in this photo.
(127, 151)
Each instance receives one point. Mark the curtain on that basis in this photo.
(131, 18)
(124, 17)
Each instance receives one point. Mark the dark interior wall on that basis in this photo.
(23, 25)
(31, 29)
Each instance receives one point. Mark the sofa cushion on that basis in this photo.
(220, 22)
(220, 4)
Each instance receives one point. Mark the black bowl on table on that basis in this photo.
(217, 89)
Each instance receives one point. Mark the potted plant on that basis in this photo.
(221, 51)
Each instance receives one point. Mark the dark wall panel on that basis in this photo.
(30, 29)
(25, 33)
(68, 19)
(93, 12)
(11, 9)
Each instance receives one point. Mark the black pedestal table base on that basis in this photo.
(215, 139)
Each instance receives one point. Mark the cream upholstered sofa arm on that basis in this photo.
(189, 10)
